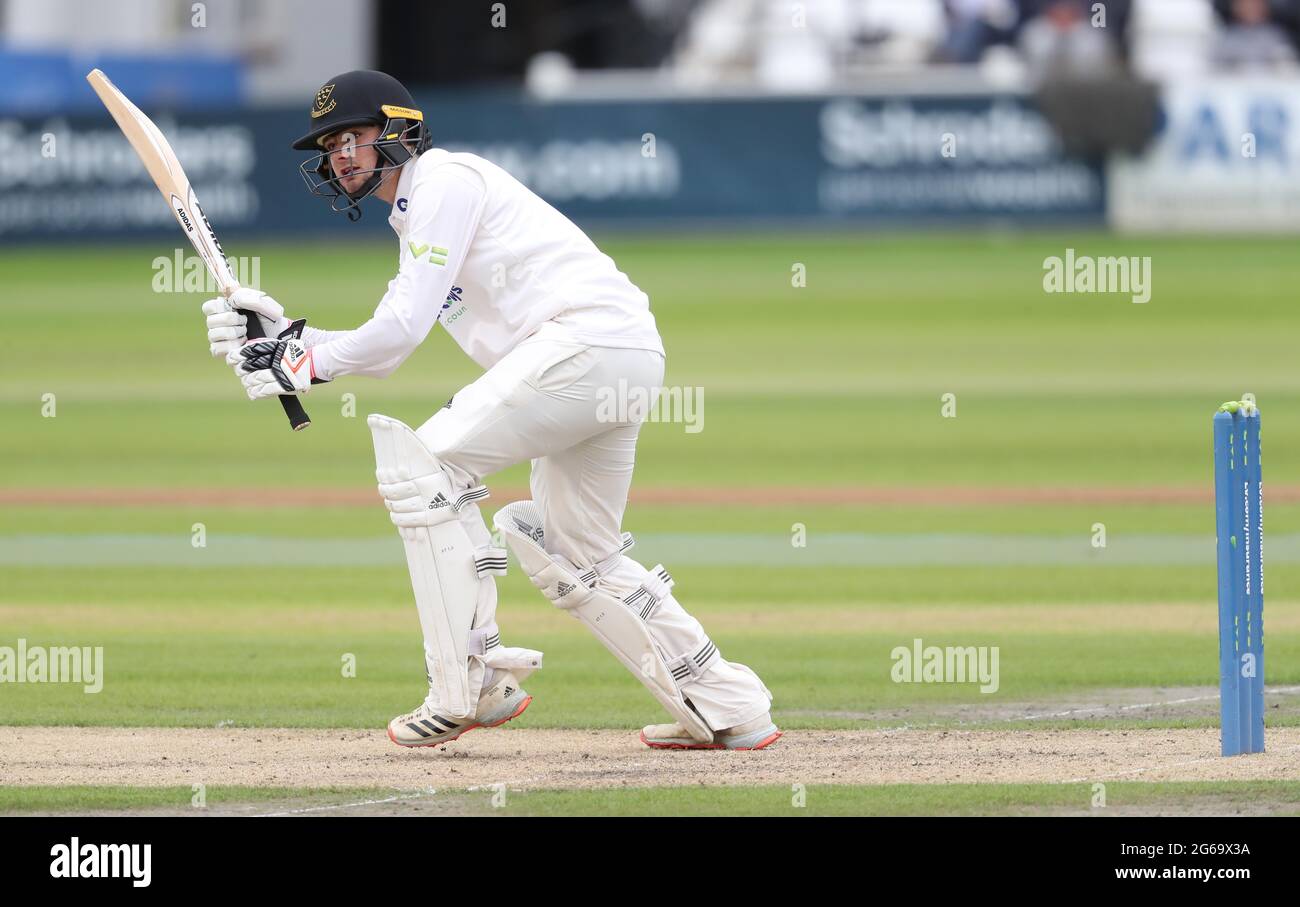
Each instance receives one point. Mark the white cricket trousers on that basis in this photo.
(549, 401)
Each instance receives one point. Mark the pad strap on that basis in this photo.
(415, 503)
(490, 562)
(691, 665)
(484, 639)
(645, 599)
(592, 574)
(477, 493)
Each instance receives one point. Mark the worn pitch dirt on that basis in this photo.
(530, 758)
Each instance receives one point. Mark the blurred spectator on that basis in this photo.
(976, 25)
(1255, 34)
(1052, 36)
(1172, 39)
(905, 32)
(1080, 38)
(778, 44)
(716, 41)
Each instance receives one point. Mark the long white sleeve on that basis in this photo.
(314, 337)
(444, 210)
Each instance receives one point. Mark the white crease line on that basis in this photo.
(313, 809)
(507, 784)
(948, 725)
(1142, 705)
(428, 792)
(1152, 768)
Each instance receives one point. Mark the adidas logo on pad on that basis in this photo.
(439, 500)
(563, 589)
(533, 533)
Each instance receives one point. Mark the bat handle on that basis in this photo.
(298, 417)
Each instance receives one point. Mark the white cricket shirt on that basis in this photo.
(491, 261)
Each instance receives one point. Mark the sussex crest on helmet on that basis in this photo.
(324, 101)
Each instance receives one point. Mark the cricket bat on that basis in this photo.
(159, 159)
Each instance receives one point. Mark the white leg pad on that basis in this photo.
(617, 623)
(724, 693)
(447, 569)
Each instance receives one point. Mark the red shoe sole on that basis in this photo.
(517, 712)
(766, 741)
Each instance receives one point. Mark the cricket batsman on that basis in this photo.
(557, 327)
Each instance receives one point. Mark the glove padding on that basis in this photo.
(273, 367)
(228, 328)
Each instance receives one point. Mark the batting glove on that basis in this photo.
(274, 367)
(228, 328)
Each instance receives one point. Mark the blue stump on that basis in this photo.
(1238, 506)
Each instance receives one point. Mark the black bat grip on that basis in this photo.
(298, 417)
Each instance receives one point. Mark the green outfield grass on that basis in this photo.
(1223, 798)
(1050, 389)
(16, 799)
(836, 384)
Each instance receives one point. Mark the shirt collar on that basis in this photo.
(398, 218)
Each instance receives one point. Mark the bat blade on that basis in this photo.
(155, 152)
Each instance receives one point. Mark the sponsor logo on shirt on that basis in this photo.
(453, 296)
(437, 255)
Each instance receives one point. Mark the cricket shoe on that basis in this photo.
(752, 735)
(504, 700)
